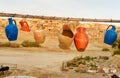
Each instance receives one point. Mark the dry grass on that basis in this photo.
(34, 73)
(8, 44)
(28, 43)
(105, 49)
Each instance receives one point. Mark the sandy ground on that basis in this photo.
(47, 58)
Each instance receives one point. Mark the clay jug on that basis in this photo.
(39, 36)
(110, 35)
(81, 39)
(11, 30)
(66, 37)
(24, 26)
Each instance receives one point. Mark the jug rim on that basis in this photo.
(81, 28)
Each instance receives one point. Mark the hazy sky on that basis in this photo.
(67, 8)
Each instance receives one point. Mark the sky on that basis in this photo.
(106, 9)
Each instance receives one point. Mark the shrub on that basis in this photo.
(4, 44)
(105, 49)
(116, 44)
(14, 45)
(104, 57)
(87, 58)
(27, 43)
(8, 44)
(117, 52)
(92, 65)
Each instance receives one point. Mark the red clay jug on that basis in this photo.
(24, 26)
(81, 39)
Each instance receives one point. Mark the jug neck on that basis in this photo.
(81, 29)
(113, 28)
(10, 20)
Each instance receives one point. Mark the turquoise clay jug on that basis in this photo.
(110, 35)
(11, 30)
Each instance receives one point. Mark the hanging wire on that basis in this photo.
(57, 18)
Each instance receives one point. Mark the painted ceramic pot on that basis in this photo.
(39, 36)
(81, 39)
(110, 35)
(66, 37)
(24, 26)
(11, 30)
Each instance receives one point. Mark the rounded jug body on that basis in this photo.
(11, 30)
(24, 26)
(66, 37)
(39, 36)
(81, 39)
(110, 35)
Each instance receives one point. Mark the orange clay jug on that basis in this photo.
(24, 26)
(81, 39)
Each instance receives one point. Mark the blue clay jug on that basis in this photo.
(110, 35)
(11, 30)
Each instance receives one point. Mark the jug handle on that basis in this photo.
(26, 23)
(109, 27)
(15, 22)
